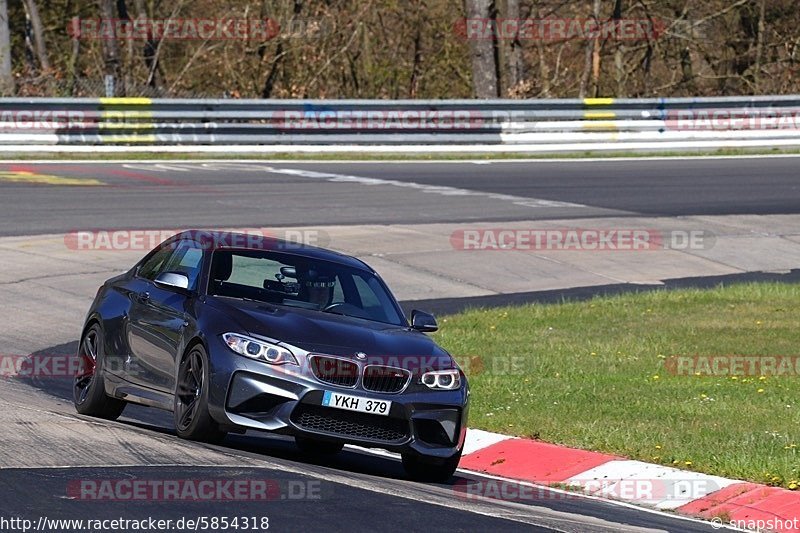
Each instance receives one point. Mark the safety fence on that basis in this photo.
(554, 124)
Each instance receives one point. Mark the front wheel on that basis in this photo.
(421, 469)
(88, 389)
(192, 419)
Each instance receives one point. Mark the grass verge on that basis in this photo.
(595, 375)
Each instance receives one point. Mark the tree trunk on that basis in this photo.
(619, 66)
(38, 34)
(759, 46)
(416, 70)
(514, 50)
(269, 83)
(596, 53)
(6, 78)
(149, 49)
(111, 60)
(122, 11)
(482, 50)
(587, 69)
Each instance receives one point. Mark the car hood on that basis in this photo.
(335, 334)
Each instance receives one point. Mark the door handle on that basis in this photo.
(144, 297)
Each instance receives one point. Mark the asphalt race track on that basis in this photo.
(46, 447)
(230, 194)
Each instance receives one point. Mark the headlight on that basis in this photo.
(259, 350)
(442, 379)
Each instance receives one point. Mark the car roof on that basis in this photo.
(231, 240)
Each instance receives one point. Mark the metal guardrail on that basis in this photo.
(552, 123)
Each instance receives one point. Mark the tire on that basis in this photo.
(88, 388)
(428, 470)
(192, 419)
(318, 447)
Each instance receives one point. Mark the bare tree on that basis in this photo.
(6, 78)
(374, 49)
(482, 50)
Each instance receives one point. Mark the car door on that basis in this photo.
(119, 356)
(158, 317)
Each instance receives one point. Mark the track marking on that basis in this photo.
(433, 189)
(442, 190)
(23, 176)
(430, 189)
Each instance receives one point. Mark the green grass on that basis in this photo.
(592, 375)
(369, 156)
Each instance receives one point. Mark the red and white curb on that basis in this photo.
(664, 488)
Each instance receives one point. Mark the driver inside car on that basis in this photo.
(318, 287)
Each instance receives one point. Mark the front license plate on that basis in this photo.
(356, 403)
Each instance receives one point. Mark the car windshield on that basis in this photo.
(298, 281)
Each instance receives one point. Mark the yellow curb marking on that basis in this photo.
(19, 176)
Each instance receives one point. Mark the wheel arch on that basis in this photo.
(92, 320)
(197, 339)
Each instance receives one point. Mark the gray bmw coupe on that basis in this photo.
(235, 333)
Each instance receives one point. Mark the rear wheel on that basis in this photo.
(421, 469)
(192, 419)
(88, 389)
(318, 447)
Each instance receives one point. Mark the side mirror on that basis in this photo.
(172, 280)
(422, 321)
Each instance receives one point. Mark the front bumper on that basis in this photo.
(282, 399)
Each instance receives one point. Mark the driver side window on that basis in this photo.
(183, 257)
(186, 260)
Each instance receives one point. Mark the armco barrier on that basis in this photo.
(530, 125)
